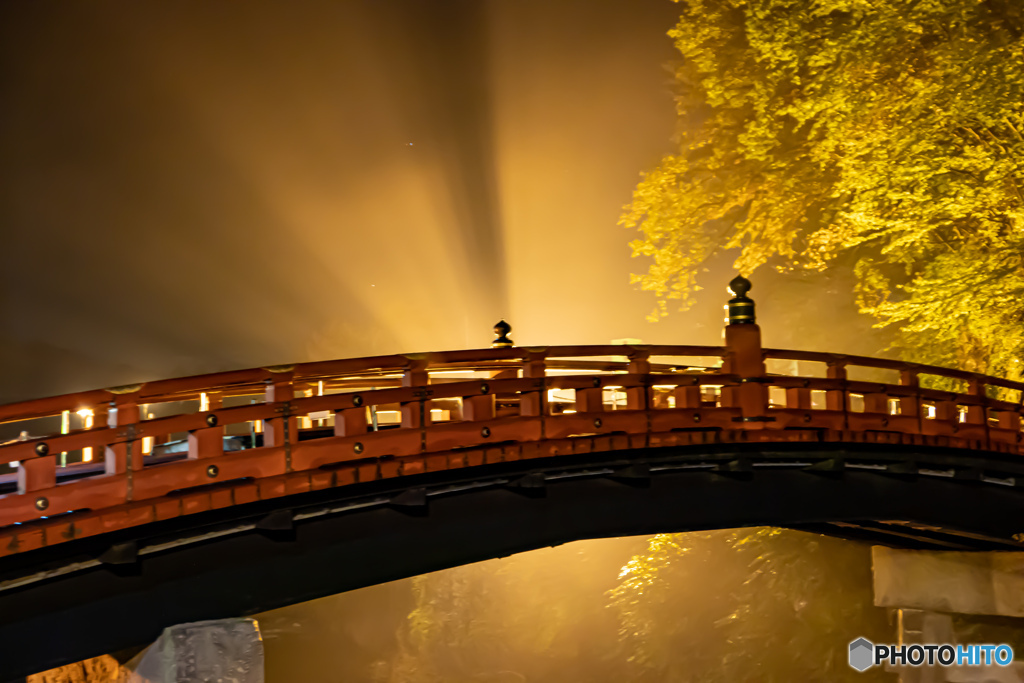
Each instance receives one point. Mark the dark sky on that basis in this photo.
(197, 186)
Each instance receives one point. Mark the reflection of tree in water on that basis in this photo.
(533, 617)
(773, 604)
(708, 606)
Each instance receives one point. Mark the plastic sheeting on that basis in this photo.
(222, 651)
(965, 583)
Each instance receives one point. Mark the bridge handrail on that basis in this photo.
(509, 401)
(839, 359)
(188, 388)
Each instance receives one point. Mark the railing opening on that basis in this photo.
(614, 398)
(818, 401)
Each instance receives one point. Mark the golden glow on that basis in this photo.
(320, 388)
(87, 454)
(438, 414)
(258, 426)
(305, 422)
(204, 402)
(65, 427)
(87, 416)
(561, 395)
(147, 445)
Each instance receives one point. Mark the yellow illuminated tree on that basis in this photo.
(885, 134)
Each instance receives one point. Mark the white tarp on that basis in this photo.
(225, 651)
(966, 583)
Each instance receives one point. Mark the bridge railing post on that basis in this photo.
(590, 399)
(638, 398)
(910, 406)
(798, 398)
(350, 421)
(688, 395)
(415, 413)
(876, 402)
(37, 473)
(208, 442)
(478, 407)
(533, 403)
(123, 456)
(744, 356)
(837, 399)
(947, 417)
(1009, 420)
(976, 414)
(280, 392)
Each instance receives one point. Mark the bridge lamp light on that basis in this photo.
(564, 397)
(87, 415)
(204, 402)
(147, 445)
(65, 427)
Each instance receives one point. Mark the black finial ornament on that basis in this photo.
(741, 307)
(501, 331)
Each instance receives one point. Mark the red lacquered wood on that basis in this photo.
(136, 492)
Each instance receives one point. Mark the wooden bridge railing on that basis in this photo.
(492, 404)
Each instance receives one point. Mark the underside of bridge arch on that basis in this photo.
(83, 598)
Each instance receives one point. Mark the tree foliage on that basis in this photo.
(886, 132)
(537, 616)
(747, 604)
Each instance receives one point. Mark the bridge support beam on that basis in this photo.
(222, 650)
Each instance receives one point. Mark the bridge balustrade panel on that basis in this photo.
(318, 425)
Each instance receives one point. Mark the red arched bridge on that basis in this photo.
(202, 497)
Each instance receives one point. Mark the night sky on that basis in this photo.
(196, 186)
